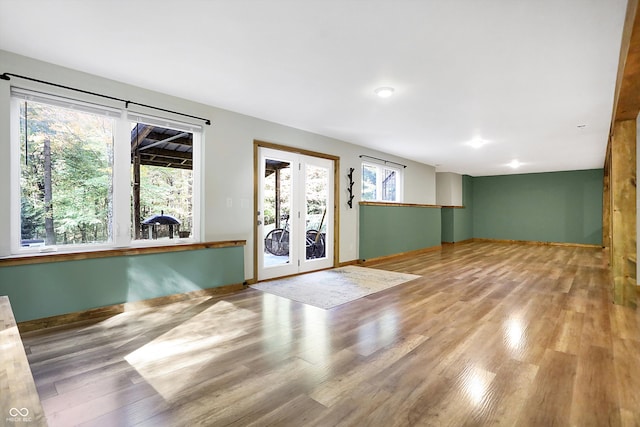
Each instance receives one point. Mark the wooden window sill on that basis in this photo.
(74, 256)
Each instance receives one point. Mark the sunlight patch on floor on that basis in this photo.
(170, 361)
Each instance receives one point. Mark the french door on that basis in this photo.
(295, 213)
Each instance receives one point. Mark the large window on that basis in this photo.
(381, 183)
(77, 167)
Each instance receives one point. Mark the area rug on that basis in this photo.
(331, 288)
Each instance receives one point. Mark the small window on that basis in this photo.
(381, 183)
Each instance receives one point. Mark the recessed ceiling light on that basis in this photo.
(515, 164)
(477, 142)
(384, 92)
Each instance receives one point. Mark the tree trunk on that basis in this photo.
(50, 238)
(136, 194)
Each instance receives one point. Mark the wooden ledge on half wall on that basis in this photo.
(409, 205)
(105, 253)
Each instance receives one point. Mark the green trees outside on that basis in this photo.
(168, 190)
(369, 177)
(65, 178)
(66, 188)
(316, 194)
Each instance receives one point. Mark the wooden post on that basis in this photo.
(277, 197)
(623, 212)
(606, 205)
(141, 132)
(136, 193)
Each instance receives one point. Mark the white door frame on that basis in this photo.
(332, 216)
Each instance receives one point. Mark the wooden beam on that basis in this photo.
(169, 154)
(623, 212)
(606, 204)
(155, 137)
(626, 104)
(140, 135)
(164, 164)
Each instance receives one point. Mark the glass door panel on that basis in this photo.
(318, 213)
(316, 208)
(276, 224)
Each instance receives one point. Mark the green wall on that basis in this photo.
(457, 223)
(388, 230)
(49, 289)
(463, 218)
(546, 207)
(448, 225)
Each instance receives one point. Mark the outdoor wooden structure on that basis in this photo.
(271, 167)
(157, 146)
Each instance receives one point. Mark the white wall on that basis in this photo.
(228, 156)
(448, 189)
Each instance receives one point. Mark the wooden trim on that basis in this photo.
(256, 182)
(336, 195)
(384, 258)
(100, 313)
(336, 211)
(535, 243)
(453, 207)
(145, 250)
(352, 262)
(300, 273)
(264, 144)
(460, 242)
(414, 205)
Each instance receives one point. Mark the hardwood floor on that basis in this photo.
(490, 334)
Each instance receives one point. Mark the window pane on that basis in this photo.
(389, 185)
(369, 174)
(162, 177)
(65, 175)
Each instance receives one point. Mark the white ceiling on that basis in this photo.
(520, 74)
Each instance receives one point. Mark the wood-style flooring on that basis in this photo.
(491, 334)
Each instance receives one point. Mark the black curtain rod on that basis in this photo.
(7, 76)
(383, 160)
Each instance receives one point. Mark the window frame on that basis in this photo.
(380, 168)
(121, 174)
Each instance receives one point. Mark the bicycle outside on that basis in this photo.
(277, 240)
